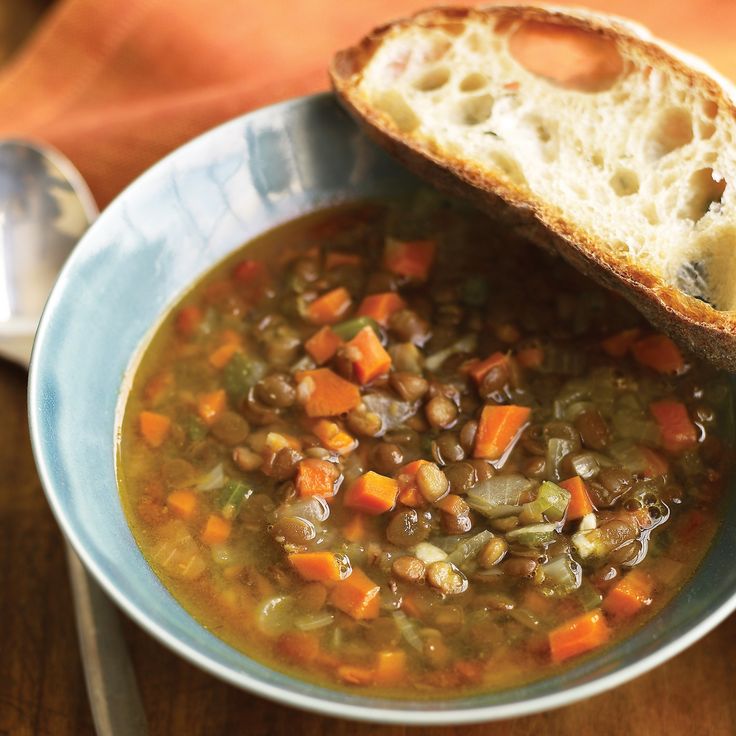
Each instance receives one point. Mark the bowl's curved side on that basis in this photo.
(172, 224)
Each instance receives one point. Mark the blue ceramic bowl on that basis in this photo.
(169, 227)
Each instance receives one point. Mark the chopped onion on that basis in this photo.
(275, 614)
(588, 522)
(557, 450)
(505, 490)
(490, 510)
(212, 480)
(585, 464)
(393, 412)
(314, 509)
(466, 344)
(428, 553)
(629, 456)
(312, 621)
(470, 547)
(407, 630)
(562, 574)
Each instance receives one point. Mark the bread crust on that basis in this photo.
(707, 332)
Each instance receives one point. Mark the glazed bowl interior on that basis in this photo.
(167, 229)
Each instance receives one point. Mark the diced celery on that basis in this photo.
(195, 429)
(535, 535)
(348, 329)
(469, 547)
(589, 595)
(233, 495)
(240, 375)
(551, 502)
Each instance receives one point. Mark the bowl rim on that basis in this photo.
(281, 694)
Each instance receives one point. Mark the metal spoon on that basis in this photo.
(45, 207)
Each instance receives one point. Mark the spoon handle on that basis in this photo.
(112, 689)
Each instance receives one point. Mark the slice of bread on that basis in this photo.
(615, 149)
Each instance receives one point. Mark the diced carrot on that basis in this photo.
(391, 666)
(498, 427)
(530, 357)
(409, 494)
(478, 369)
(298, 647)
(677, 431)
(656, 465)
(188, 320)
(357, 595)
(381, 306)
(367, 355)
(330, 307)
(231, 336)
(372, 493)
(220, 357)
(333, 436)
(580, 504)
(249, 272)
(659, 353)
(183, 503)
(579, 635)
(410, 258)
(211, 405)
(322, 567)
(619, 344)
(325, 394)
(154, 427)
(354, 529)
(323, 344)
(354, 675)
(216, 530)
(630, 594)
(336, 258)
(158, 386)
(315, 477)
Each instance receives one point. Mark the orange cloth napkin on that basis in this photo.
(116, 84)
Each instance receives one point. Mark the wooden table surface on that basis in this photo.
(41, 681)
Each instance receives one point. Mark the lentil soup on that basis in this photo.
(389, 449)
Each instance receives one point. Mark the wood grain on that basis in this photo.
(41, 681)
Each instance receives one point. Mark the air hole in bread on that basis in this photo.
(476, 43)
(597, 160)
(453, 28)
(432, 79)
(398, 109)
(706, 129)
(710, 108)
(705, 192)
(624, 182)
(649, 210)
(573, 58)
(673, 130)
(509, 167)
(474, 110)
(473, 82)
